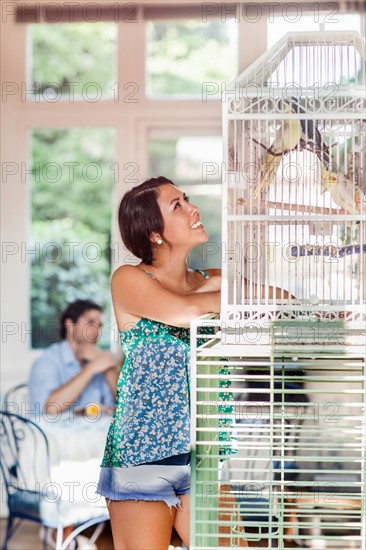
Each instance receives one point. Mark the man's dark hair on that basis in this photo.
(74, 311)
(139, 216)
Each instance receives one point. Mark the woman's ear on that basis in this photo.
(155, 238)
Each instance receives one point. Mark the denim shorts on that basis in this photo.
(145, 482)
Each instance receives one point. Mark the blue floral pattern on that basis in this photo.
(151, 420)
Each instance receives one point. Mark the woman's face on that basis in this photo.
(182, 220)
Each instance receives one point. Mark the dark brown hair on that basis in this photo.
(139, 215)
(74, 311)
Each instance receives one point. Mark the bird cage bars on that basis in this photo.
(294, 188)
(294, 423)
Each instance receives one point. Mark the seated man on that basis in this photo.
(74, 372)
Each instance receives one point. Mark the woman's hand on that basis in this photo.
(213, 284)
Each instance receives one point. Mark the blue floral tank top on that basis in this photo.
(152, 416)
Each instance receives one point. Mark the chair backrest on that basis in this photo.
(16, 400)
(24, 454)
(31, 493)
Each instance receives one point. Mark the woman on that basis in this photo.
(145, 470)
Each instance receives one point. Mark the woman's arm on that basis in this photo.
(259, 291)
(273, 292)
(134, 292)
(111, 375)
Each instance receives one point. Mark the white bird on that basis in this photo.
(352, 160)
(342, 190)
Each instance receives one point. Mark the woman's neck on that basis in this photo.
(171, 271)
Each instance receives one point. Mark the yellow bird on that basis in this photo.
(287, 138)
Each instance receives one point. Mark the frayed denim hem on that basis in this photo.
(171, 503)
(153, 483)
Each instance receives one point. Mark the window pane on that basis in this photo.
(74, 60)
(72, 182)
(181, 56)
(194, 164)
(186, 159)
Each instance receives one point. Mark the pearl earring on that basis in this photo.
(159, 241)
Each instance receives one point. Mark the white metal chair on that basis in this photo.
(16, 399)
(31, 493)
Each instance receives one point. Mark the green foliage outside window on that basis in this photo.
(183, 55)
(71, 219)
(77, 59)
(67, 265)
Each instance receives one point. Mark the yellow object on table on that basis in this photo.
(94, 409)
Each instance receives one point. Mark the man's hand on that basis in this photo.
(103, 361)
(95, 359)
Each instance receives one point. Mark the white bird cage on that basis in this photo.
(294, 189)
(285, 375)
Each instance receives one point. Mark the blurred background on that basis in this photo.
(95, 99)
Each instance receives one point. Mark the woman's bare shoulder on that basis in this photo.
(129, 278)
(125, 272)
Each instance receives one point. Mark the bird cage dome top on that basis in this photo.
(308, 63)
